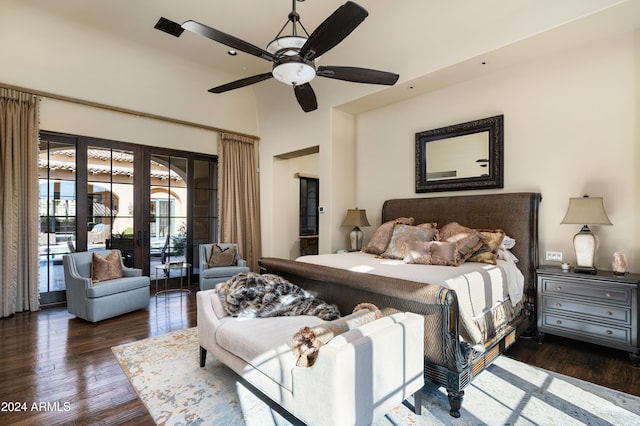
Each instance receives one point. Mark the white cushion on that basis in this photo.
(265, 343)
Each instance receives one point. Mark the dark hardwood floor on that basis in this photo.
(53, 357)
(592, 363)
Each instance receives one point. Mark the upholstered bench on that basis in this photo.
(358, 376)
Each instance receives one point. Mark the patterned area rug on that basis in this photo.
(165, 372)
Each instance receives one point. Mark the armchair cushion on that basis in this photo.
(105, 268)
(117, 285)
(222, 271)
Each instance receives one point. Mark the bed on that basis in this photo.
(462, 335)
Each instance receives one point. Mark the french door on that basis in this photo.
(91, 199)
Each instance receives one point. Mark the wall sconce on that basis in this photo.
(356, 218)
(585, 211)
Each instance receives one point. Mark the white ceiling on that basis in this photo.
(415, 38)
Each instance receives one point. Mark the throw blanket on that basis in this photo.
(252, 295)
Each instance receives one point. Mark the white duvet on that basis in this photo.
(479, 286)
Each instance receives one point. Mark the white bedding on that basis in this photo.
(479, 286)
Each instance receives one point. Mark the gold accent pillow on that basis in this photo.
(222, 257)
(468, 240)
(105, 268)
(488, 251)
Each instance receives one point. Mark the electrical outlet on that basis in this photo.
(555, 256)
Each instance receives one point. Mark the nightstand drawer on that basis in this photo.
(599, 312)
(598, 292)
(572, 326)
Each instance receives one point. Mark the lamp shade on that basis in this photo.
(356, 217)
(586, 211)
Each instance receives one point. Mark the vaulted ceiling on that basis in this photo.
(417, 39)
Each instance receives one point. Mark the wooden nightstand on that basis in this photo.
(601, 309)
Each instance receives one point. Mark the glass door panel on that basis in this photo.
(110, 201)
(205, 205)
(168, 213)
(57, 212)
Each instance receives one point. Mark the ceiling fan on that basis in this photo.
(293, 56)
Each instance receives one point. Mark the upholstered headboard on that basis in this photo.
(515, 213)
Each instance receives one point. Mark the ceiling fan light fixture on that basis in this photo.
(286, 46)
(294, 73)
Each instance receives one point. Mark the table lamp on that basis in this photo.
(585, 211)
(356, 218)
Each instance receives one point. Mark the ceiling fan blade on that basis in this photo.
(241, 83)
(306, 97)
(227, 40)
(358, 75)
(168, 26)
(333, 30)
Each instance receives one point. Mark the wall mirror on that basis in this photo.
(461, 157)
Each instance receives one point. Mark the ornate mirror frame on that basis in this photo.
(493, 175)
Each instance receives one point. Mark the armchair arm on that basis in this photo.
(131, 272)
(242, 262)
(203, 258)
(362, 374)
(76, 287)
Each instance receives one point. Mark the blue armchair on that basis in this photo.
(105, 299)
(210, 276)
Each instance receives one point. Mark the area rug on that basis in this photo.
(165, 372)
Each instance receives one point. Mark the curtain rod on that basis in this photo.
(123, 110)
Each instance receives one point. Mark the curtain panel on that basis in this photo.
(18, 202)
(239, 189)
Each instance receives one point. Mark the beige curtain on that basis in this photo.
(18, 202)
(239, 193)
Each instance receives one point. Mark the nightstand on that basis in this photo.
(601, 309)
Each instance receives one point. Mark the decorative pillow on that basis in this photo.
(405, 233)
(105, 268)
(441, 253)
(488, 251)
(428, 225)
(220, 257)
(381, 237)
(307, 341)
(468, 240)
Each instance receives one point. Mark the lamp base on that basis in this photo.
(356, 236)
(585, 270)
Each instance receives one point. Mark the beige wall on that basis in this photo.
(68, 59)
(571, 127)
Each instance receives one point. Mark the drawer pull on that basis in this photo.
(558, 305)
(609, 313)
(609, 332)
(558, 322)
(608, 294)
(559, 288)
